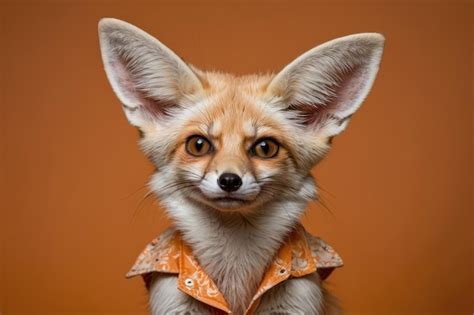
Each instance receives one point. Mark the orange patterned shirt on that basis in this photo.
(300, 255)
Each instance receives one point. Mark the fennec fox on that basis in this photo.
(233, 157)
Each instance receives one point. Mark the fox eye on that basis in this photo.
(265, 148)
(198, 146)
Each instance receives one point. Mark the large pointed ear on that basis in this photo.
(327, 84)
(148, 78)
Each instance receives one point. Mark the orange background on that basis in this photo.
(398, 182)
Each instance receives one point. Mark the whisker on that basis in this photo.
(321, 201)
(149, 195)
(134, 192)
(319, 187)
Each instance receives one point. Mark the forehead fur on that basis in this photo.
(237, 107)
(236, 103)
(250, 84)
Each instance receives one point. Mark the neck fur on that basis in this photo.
(235, 249)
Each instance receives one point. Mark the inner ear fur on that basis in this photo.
(147, 77)
(328, 83)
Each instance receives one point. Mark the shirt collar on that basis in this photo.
(299, 255)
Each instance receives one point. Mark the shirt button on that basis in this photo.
(189, 283)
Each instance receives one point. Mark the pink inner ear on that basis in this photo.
(342, 104)
(128, 84)
(348, 91)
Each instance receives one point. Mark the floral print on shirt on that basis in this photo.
(301, 254)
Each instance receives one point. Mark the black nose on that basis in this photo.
(229, 182)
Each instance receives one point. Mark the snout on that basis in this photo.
(229, 182)
(229, 190)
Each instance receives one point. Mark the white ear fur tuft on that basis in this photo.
(145, 74)
(328, 83)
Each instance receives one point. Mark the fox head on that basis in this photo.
(234, 143)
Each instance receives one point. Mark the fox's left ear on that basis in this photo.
(327, 84)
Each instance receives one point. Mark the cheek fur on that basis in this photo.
(189, 167)
(277, 177)
(268, 170)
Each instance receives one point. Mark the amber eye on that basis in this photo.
(198, 146)
(265, 148)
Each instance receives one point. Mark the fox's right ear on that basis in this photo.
(148, 78)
